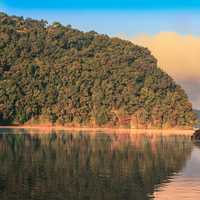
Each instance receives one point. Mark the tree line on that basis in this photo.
(55, 73)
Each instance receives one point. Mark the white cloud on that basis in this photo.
(179, 56)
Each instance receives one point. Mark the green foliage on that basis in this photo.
(75, 77)
(102, 117)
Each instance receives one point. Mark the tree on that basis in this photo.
(77, 77)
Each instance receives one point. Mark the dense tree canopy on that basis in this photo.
(65, 76)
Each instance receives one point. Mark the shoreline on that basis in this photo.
(47, 128)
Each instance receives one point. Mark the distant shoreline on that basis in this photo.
(47, 128)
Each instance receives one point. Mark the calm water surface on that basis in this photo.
(97, 166)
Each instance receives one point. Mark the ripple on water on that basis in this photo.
(184, 185)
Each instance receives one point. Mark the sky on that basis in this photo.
(104, 4)
(169, 28)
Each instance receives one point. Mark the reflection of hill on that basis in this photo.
(82, 166)
(197, 144)
(184, 185)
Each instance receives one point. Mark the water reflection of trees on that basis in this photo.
(82, 166)
(196, 144)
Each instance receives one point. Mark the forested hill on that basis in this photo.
(57, 74)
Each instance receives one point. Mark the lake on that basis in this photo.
(67, 165)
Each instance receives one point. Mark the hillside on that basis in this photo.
(60, 75)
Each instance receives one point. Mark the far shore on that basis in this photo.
(48, 128)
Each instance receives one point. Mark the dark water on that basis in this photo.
(97, 166)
